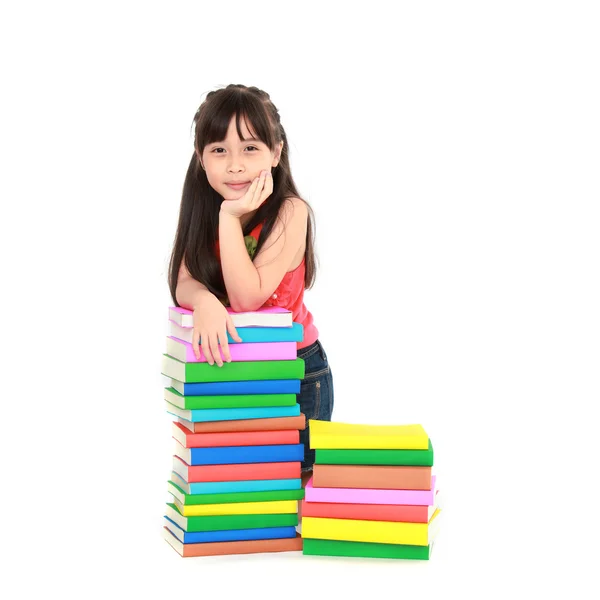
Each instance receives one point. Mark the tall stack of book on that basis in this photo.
(236, 479)
(372, 493)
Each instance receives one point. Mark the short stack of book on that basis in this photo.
(372, 493)
(236, 480)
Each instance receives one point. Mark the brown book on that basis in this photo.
(238, 547)
(372, 477)
(273, 424)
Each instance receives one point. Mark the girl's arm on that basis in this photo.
(189, 291)
(249, 284)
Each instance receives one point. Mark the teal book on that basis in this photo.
(273, 495)
(251, 370)
(233, 414)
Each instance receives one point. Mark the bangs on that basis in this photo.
(213, 121)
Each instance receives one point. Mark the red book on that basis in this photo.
(270, 424)
(240, 438)
(370, 512)
(238, 472)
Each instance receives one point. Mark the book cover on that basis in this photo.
(239, 472)
(239, 497)
(231, 455)
(367, 496)
(230, 388)
(233, 371)
(383, 532)
(221, 522)
(277, 507)
(388, 477)
(423, 458)
(339, 436)
(295, 333)
(408, 513)
(365, 549)
(270, 316)
(239, 547)
(172, 396)
(232, 535)
(232, 487)
(271, 424)
(231, 414)
(239, 438)
(184, 351)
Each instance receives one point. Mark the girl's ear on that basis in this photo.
(278, 154)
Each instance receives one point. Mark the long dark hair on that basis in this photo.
(200, 204)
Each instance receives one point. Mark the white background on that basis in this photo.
(450, 151)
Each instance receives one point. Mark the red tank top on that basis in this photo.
(290, 295)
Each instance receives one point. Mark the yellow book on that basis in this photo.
(273, 507)
(347, 436)
(382, 532)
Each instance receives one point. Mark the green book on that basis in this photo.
(184, 498)
(238, 401)
(217, 523)
(420, 458)
(364, 549)
(250, 370)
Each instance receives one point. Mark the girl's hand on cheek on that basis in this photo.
(260, 189)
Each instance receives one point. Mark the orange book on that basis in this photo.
(237, 472)
(234, 438)
(385, 477)
(239, 547)
(272, 424)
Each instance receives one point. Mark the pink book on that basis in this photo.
(184, 352)
(366, 496)
(267, 316)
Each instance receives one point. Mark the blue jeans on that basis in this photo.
(316, 394)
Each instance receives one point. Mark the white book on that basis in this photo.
(270, 316)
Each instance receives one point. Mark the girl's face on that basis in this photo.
(233, 161)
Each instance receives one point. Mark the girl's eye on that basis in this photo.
(215, 149)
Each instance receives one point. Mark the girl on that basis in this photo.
(245, 237)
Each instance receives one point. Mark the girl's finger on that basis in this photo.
(225, 345)
(214, 348)
(206, 348)
(196, 344)
(232, 330)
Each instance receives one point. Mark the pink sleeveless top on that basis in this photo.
(290, 295)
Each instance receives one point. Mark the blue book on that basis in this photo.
(232, 414)
(232, 487)
(230, 388)
(236, 455)
(229, 535)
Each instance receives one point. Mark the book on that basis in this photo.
(331, 434)
(238, 547)
(239, 472)
(230, 388)
(367, 496)
(295, 333)
(172, 396)
(383, 532)
(409, 513)
(365, 549)
(221, 522)
(248, 370)
(231, 535)
(234, 498)
(231, 455)
(231, 487)
(184, 351)
(270, 316)
(271, 424)
(230, 414)
(388, 477)
(240, 438)
(276, 507)
(422, 458)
